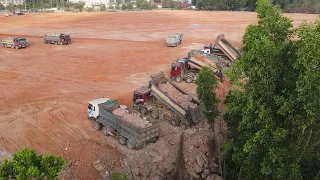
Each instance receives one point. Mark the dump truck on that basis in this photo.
(165, 100)
(16, 43)
(222, 47)
(105, 115)
(187, 68)
(61, 39)
(174, 40)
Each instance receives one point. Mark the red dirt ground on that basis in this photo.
(44, 89)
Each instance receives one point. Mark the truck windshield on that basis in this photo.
(67, 36)
(22, 40)
(90, 106)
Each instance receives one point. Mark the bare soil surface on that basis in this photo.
(44, 89)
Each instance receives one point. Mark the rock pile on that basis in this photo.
(131, 117)
(184, 100)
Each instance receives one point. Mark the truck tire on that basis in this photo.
(105, 131)
(155, 114)
(189, 79)
(143, 111)
(131, 143)
(122, 140)
(178, 79)
(139, 144)
(175, 121)
(97, 126)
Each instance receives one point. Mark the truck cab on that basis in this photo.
(141, 95)
(21, 42)
(93, 107)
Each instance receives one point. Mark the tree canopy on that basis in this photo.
(26, 164)
(274, 120)
(206, 85)
(304, 6)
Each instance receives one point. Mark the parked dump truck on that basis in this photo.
(61, 39)
(165, 100)
(123, 123)
(16, 43)
(222, 47)
(174, 40)
(187, 68)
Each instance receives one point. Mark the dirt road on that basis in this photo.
(45, 88)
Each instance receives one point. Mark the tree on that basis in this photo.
(103, 7)
(206, 85)
(167, 4)
(2, 7)
(26, 164)
(273, 120)
(11, 7)
(124, 7)
(194, 2)
(130, 6)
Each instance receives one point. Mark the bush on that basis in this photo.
(124, 7)
(103, 7)
(89, 9)
(111, 6)
(119, 176)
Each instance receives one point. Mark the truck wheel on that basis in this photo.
(139, 144)
(178, 79)
(122, 140)
(155, 114)
(105, 131)
(189, 79)
(175, 121)
(143, 111)
(131, 144)
(97, 126)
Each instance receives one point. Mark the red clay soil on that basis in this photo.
(45, 88)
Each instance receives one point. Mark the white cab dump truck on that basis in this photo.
(127, 125)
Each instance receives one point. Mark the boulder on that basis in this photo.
(214, 177)
(98, 165)
(156, 157)
(213, 167)
(168, 167)
(197, 169)
(200, 161)
(206, 172)
(194, 175)
(203, 176)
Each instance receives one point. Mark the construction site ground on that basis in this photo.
(44, 89)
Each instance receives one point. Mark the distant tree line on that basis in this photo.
(295, 6)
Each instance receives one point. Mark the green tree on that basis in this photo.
(103, 7)
(167, 4)
(273, 120)
(11, 7)
(2, 7)
(124, 7)
(26, 164)
(206, 85)
(130, 6)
